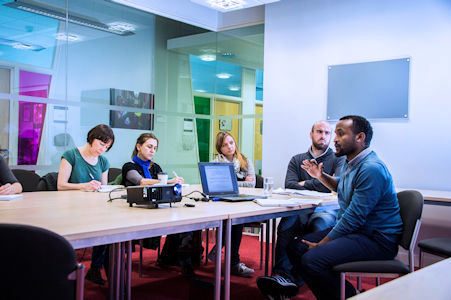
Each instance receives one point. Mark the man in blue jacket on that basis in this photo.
(310, 220)
(368, 226)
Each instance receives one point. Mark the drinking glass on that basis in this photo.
(268, 183)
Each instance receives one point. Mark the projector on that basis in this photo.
(152, 195)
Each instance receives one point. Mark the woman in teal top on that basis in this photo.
(84, 168)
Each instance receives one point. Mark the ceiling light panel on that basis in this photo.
(56, 13)
(230, 5)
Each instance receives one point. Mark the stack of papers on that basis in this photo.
(10, 197)
(292, 202)
(307, 193)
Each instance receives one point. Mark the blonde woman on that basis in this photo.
(228, 152)
(244, 170)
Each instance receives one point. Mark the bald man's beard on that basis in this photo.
(319, 146)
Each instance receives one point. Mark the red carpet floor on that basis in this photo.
(159, 283)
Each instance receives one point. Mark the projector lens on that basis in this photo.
(177, 189)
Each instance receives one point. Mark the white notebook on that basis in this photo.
(308, 193)
(274, 202)
(10, 197)
(105, 188)
(292, 202)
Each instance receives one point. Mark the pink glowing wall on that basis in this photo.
(31, 115)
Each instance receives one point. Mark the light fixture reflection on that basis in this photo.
(223, 75)
(208, 57)
(69, 37)
(121, 26)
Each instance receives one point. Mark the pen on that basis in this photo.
(92, 177)
(175, 174)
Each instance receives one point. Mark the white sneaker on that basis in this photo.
(240, 269)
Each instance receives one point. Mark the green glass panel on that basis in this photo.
(202, 106)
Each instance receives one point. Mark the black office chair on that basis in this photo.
(38, 264)
(258, 181)
(436, 246)
(113, 173)
(48, 182)
(411, 208)
(28, 179)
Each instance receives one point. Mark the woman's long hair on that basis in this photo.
(142, 139)
(220, 140)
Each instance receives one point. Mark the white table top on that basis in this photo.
(432, 282)
(431, 195)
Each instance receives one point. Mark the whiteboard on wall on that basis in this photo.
(374, 90)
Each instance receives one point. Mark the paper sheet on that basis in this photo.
(10, 197)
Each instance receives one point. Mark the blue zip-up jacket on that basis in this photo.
(367, 199)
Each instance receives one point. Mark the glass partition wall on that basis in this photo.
(66, 66)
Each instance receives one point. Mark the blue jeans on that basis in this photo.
(291, 227)
(100, 257)
(314, 266)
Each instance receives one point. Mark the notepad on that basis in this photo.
(105, 188)
(10, 197)
(307, 193)
(274, 202)
(292, 202)
(310, 193)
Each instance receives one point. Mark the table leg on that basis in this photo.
(111, 271)
(267, 247)
(128, 276)
(218, 261)
(207, 235)
(273, 246)
(117, 272)
(228, 249)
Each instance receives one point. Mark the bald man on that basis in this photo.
(306, 221)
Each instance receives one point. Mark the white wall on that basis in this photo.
(302, 37)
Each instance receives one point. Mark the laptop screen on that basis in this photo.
(218, 178)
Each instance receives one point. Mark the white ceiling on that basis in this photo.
(202, 15)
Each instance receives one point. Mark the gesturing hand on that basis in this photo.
(312, 167)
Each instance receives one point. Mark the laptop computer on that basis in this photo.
(219, 181)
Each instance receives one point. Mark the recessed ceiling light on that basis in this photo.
(223, 75)
(57, 13)
(227, 4)
(228, 55)
(121, 26)
(208, 57)
(234, 88)
(22, 46)
(70, 37)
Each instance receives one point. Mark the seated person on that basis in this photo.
(84, 168)
(297, 178)
(143, 171)
(368, 227)
(244, 170)
(8, 183)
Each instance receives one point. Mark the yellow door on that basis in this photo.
(225, 108)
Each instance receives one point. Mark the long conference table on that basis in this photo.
(86, 219)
